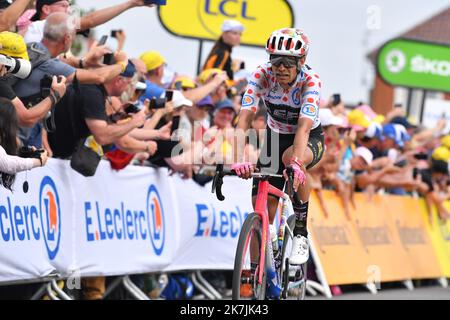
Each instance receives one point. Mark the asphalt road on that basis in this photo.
(422, 293)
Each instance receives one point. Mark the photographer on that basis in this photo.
(14, 47)
(10, 163)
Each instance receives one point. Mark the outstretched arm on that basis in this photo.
(102, 16)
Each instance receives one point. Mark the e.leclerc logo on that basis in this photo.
(50, 212)
(126, 223)
(19, 223)
(212, 223)
(156, 224)
(395, 61)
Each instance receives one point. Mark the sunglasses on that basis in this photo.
(288, 62)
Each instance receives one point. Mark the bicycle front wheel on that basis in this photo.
(245, 283)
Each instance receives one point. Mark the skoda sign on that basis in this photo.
(414, 64)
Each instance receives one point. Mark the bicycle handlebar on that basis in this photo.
(220, 173)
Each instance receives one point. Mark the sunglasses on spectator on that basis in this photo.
(288, 62)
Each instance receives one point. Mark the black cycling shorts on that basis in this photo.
(277, 144)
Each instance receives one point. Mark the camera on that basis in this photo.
(114, 33)
(19, 68)
(421, 156)
(157, 2)
(158, 103)
(46, 86)
(108, 59)
(131, 108)
(336, 99)
(28, 152)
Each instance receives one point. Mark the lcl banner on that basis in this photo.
(202, 19)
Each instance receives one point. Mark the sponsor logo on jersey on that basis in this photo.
(248, 101)
(309, 110)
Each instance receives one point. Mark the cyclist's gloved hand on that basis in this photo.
(243, 169)
(299, 173)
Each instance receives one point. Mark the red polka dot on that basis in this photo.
(317, 76)
(320, 84)
(257, 76)
(254, 109)
(250, 91)
(258, 95)
(311, 84)
(309, 78)
(286, 91)
(310, 100)
(265, 84)
(285, 99)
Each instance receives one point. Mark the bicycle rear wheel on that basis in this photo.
(294, 277)
(245, 284)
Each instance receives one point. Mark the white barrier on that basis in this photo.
(133, 221)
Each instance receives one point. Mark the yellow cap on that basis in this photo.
(445, 141)
(441, 153)
(152, 60)
(358, 118)
(186, 82)
(13, 45)
(379, 119)
(207, 74)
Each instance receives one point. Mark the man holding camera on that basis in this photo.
(58, 37)
(76, 120)
(13, 51)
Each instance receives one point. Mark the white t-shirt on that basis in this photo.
(35, 32)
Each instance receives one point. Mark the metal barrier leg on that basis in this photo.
(50, 292)
(409, 284)
(117, 282)
(201, 288)
(443, 282)
(59, 291)
(310, 289)
(208, 286)
(372, 288)
(133, 289)
(41, 291)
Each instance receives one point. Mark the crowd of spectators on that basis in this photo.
(139, 113)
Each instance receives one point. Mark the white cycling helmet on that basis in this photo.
(288, 42)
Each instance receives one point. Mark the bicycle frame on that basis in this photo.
(264, 189)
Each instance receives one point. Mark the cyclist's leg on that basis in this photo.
(301, 210)
(313, 154)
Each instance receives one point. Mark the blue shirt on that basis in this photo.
(32, 85)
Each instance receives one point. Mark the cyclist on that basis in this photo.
(290, 89)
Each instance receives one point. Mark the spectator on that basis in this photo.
(11, 12)
(220, 55)
(219, 139)
(44, 8)
(155, 64)
(58, 37)
(210, 75)
(14, 46)
(76, 122)
(10, 164)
